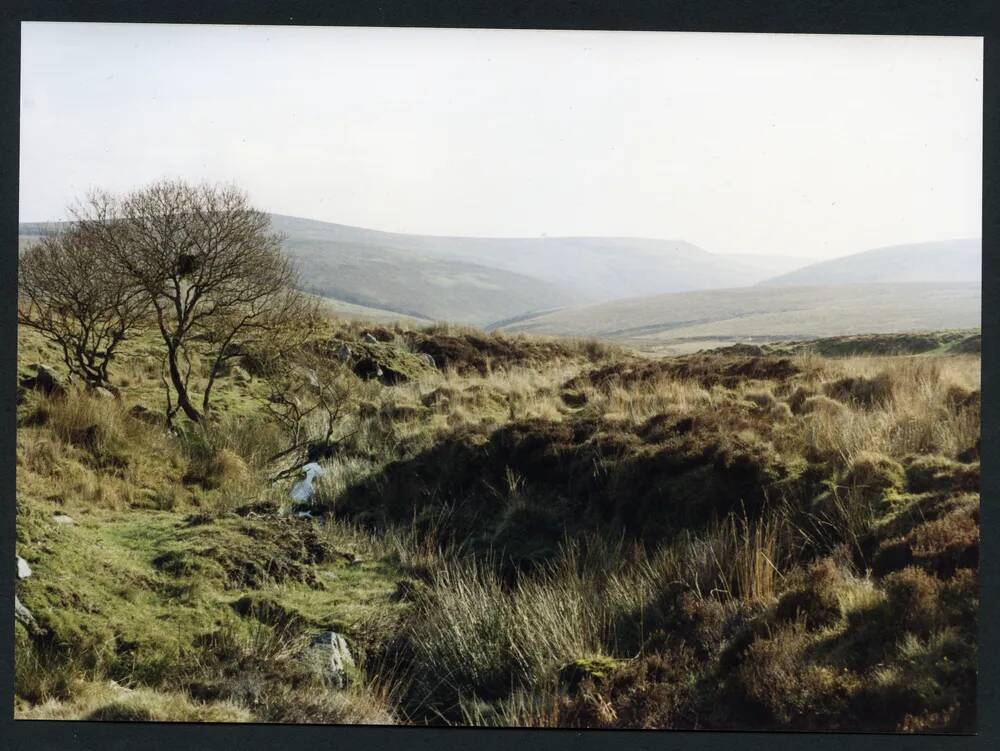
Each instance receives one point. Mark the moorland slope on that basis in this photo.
(533, 531)
(764, 313)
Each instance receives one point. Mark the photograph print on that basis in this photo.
(498, 378)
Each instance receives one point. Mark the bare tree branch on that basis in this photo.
(72, 295)
(213, 272)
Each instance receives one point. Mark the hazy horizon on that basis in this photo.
(536, 237)
(810, 146)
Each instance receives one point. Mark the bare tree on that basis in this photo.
(211, 268)
(69, 292)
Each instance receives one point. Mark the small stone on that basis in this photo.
(330, 656)
(102, 393)
(45, 380)
(302, 491)
(23, 569)
(24, 616)
(265, 507)
(63, 519)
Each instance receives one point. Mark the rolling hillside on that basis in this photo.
(632, 288)
(488, 280)
(945, 261)
(768, 313)
(361, 271)
(562, 270)
(419, 285)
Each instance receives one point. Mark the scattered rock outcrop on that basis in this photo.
(372, 359)
(21, 613)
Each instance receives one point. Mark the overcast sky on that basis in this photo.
(789, 144)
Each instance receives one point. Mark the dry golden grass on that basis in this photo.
(88, 450)
(915, 420)
(110, 701)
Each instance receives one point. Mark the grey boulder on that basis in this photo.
(45, 380)
(331, 658)
(23, 616)
(23, 569)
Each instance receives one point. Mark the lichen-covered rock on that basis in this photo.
(303, 490)
(23, 569)
(45, 380)
(24, 616)
(331, 658)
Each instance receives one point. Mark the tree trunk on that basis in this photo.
(183, 401)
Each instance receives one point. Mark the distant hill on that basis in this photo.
(512, 283)
(585, 268)
(393, 276)
(487, 280)
(768, 313)
(764, 263)
(419, 285)
(374, 315)
(945, 261)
